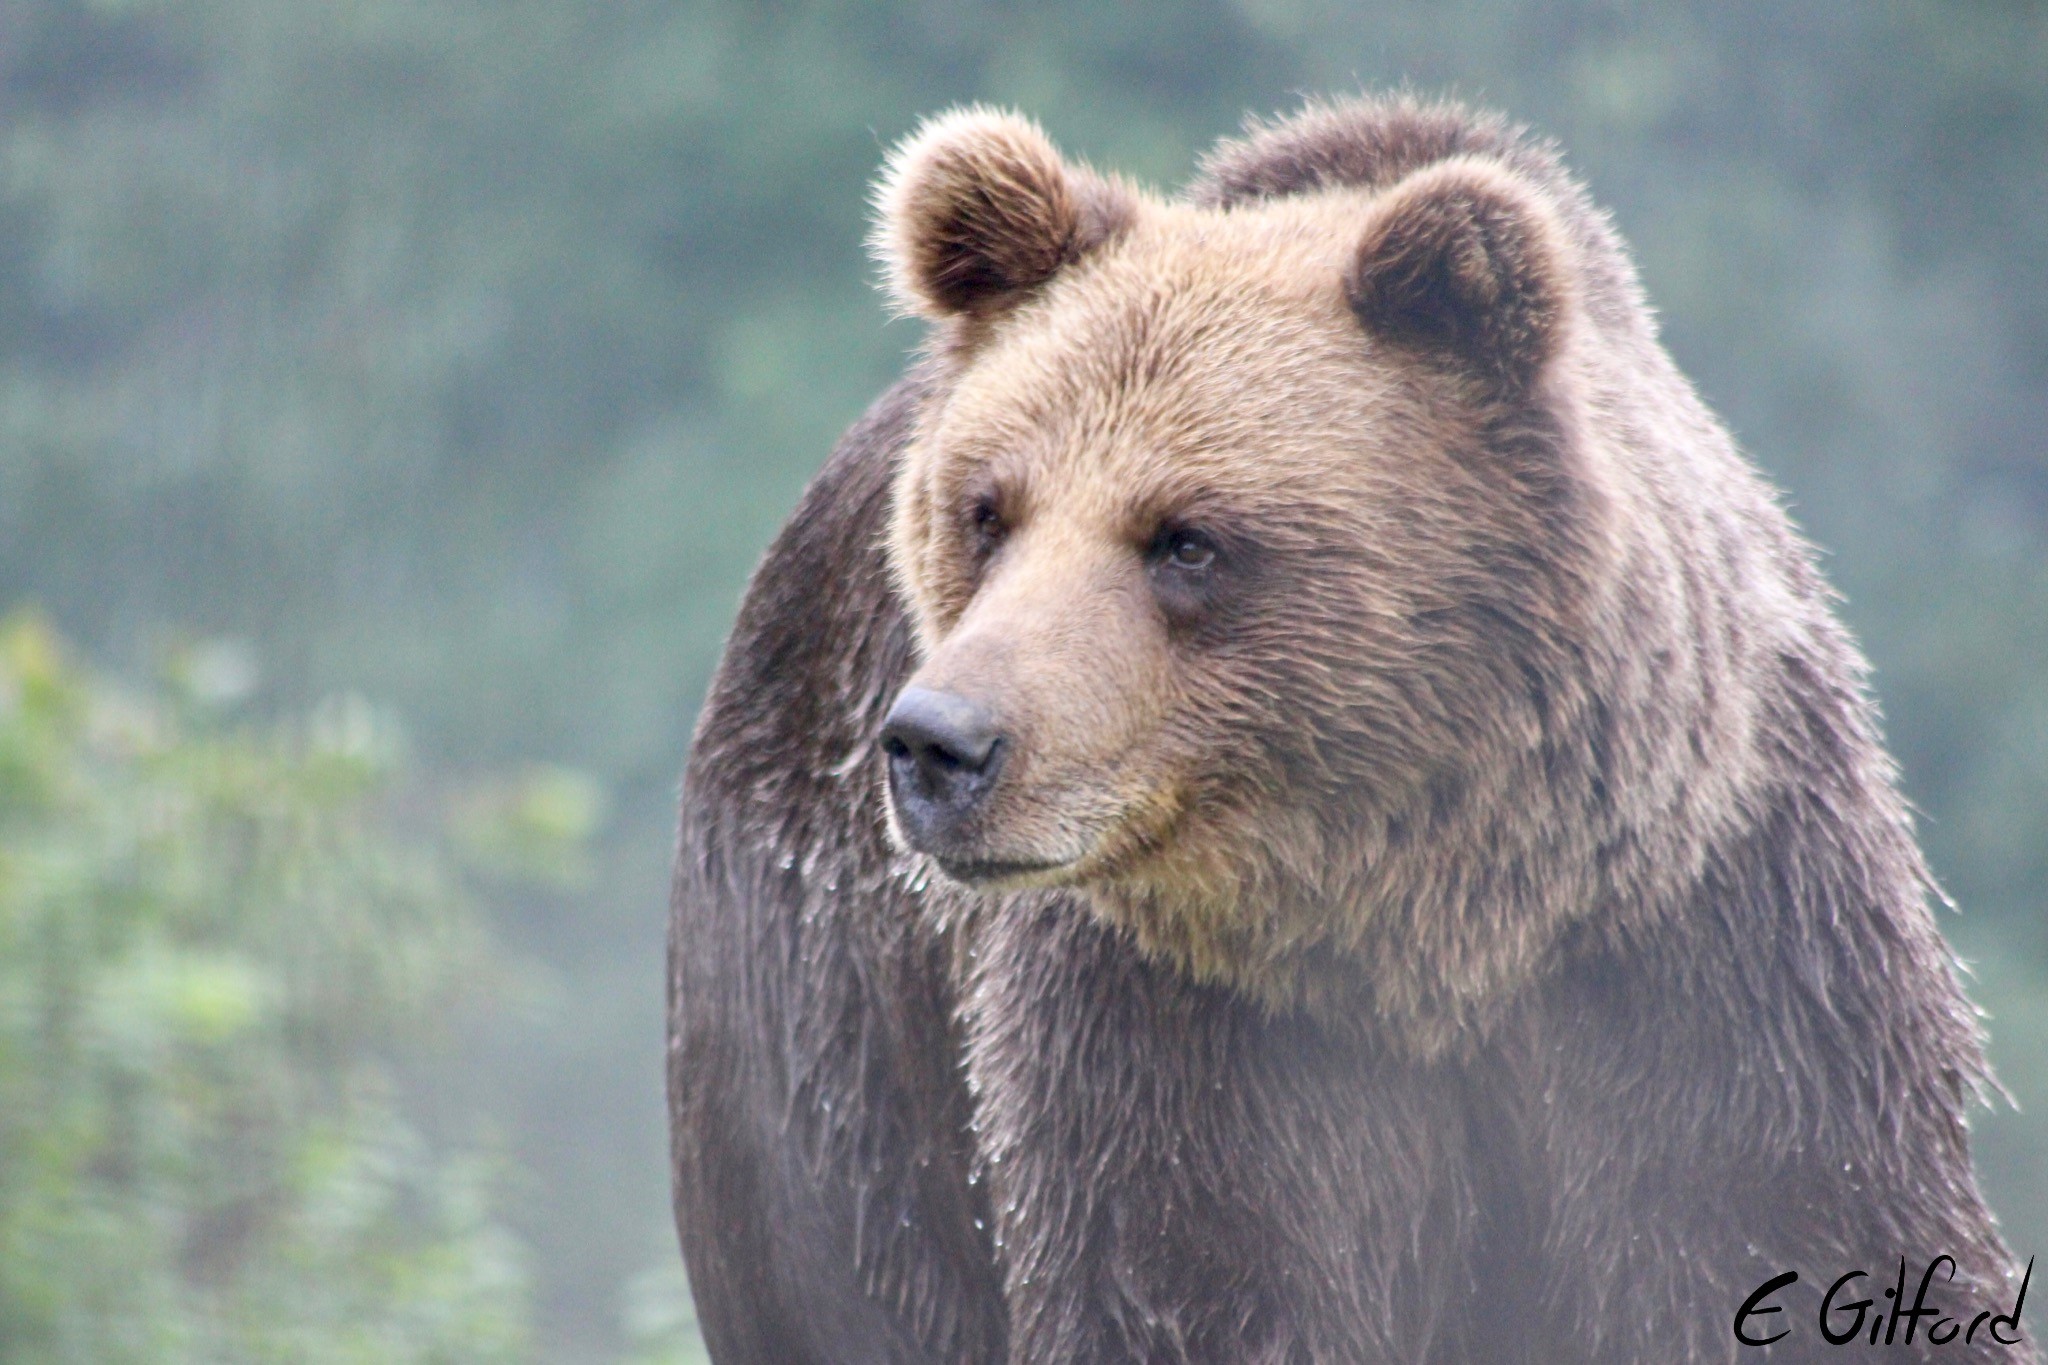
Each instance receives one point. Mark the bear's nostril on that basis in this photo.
(940, 728)
(943, 750)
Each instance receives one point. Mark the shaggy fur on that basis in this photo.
(820, 1127)
(1450, 899)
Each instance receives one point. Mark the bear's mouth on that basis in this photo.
(987, 872)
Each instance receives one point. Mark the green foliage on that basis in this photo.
(213, 939)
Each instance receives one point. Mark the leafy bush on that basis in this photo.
(216, 940)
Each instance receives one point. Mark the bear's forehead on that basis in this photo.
(1181, 287)
(1199, 335)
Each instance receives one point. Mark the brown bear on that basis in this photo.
(1289, 797)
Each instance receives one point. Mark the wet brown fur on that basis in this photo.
(1482, 922)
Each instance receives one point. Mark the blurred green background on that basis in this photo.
(395, 393)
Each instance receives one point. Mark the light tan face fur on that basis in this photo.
(1218, 559)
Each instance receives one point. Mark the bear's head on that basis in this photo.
(1252, 543)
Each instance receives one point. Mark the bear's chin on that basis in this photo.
(1070, 848)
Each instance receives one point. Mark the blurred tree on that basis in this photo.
(213, 940)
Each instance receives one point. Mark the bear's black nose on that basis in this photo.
(944, 751)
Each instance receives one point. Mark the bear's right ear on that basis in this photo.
(977, 208)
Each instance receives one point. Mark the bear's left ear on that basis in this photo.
(977, 208)
(1464, 259)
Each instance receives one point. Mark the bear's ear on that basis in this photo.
(976, 208)
(1466, 260)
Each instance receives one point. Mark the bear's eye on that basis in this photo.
(1186, 569)
(1184, 550)
(986, 525)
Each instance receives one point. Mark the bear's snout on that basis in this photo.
(944, 752)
